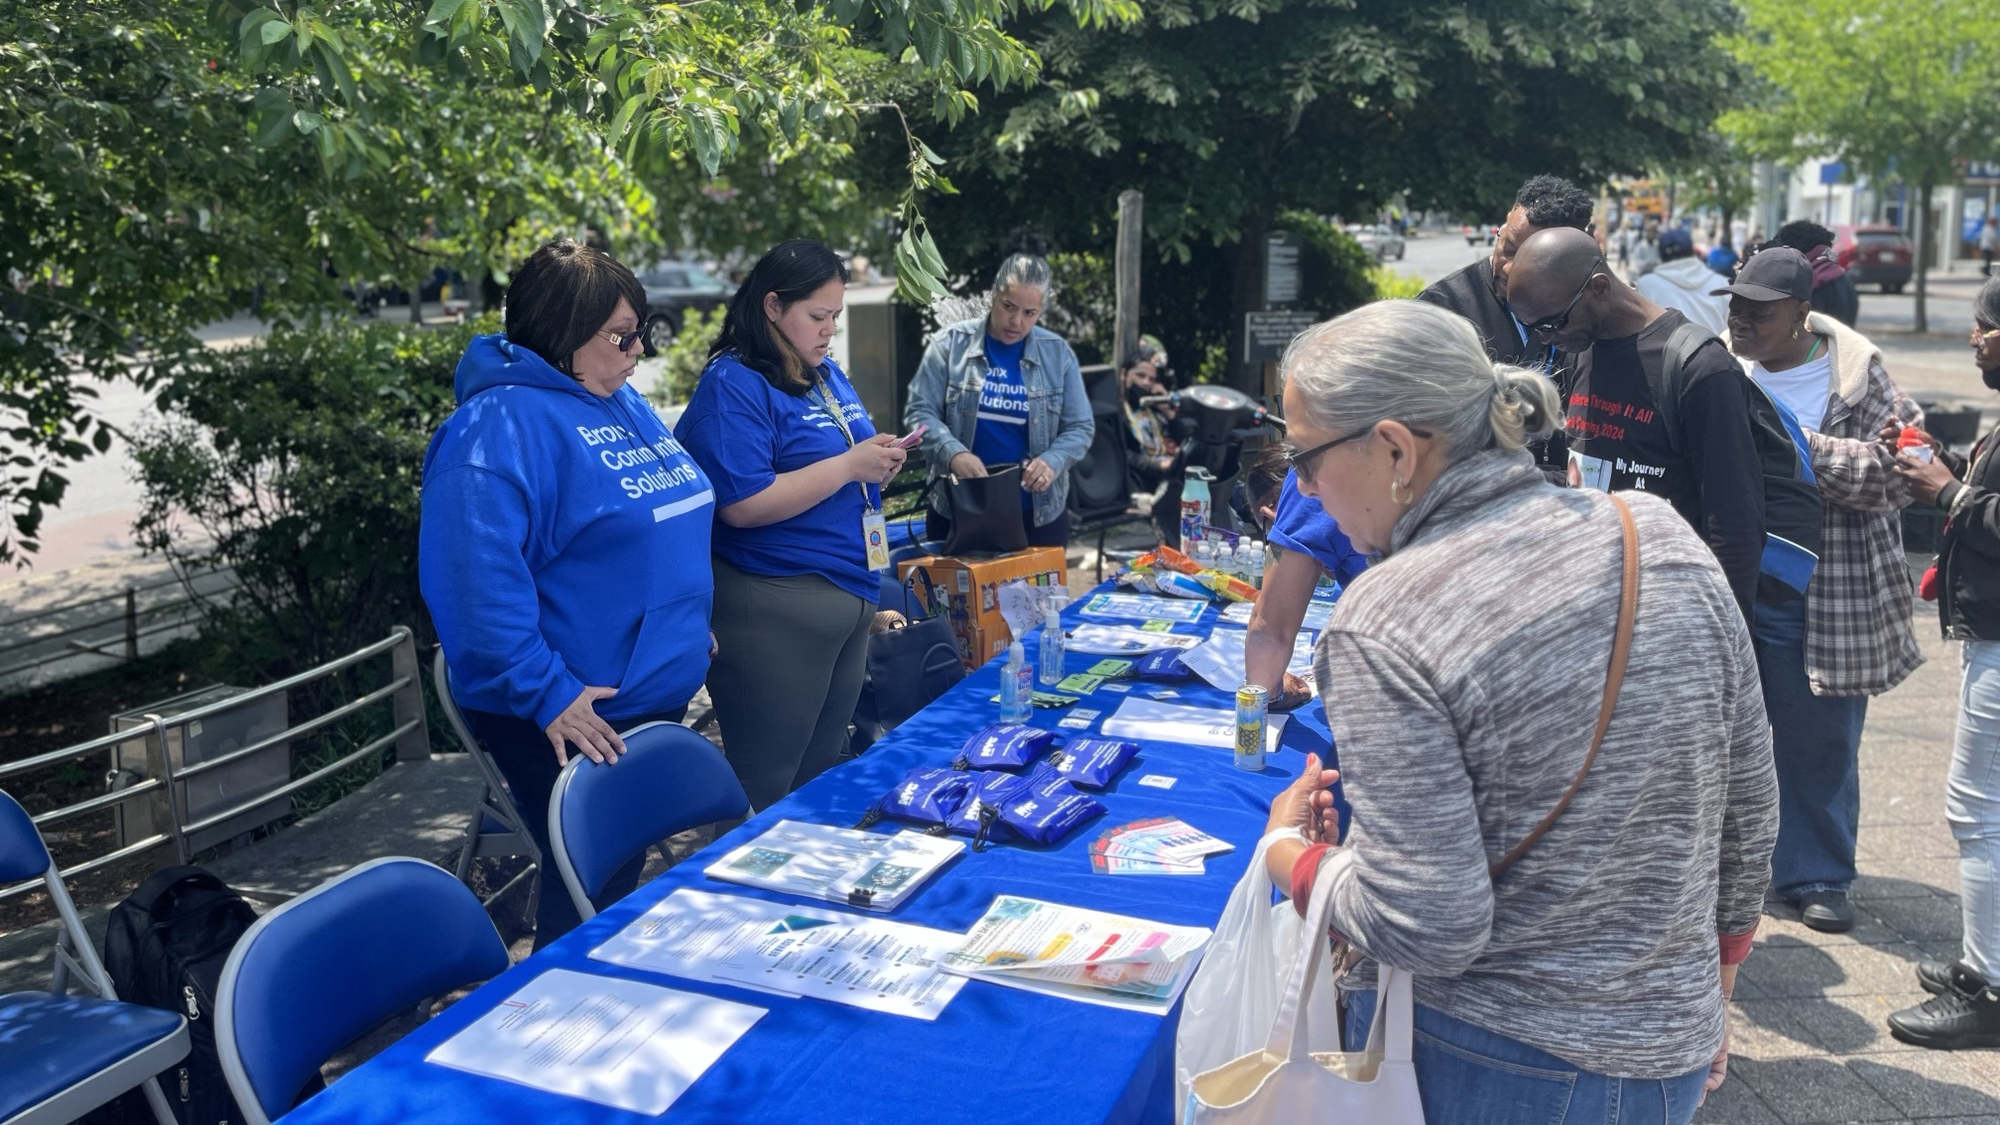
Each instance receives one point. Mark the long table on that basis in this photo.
(996, 1056)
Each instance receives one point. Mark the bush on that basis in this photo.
(297, 462)
(686, 356)
(1392, 284)
(1334, 271)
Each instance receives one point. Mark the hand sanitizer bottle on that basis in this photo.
(1017, 686)
(1053, 647)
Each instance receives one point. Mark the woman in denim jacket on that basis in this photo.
(999, 389)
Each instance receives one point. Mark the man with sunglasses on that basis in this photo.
(1479, 291)
(1711, 470)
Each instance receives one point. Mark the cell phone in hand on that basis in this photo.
(910, 440)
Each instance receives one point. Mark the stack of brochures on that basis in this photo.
(1080, 954)
(846, 865)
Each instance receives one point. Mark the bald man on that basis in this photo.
(1711, 471)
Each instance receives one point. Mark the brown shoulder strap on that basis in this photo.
(1621, 647)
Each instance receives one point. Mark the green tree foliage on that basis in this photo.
(1227, 113)
(296, 462)
(1892, 89)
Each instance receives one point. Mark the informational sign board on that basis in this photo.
(1266, 334)
(1281, 268)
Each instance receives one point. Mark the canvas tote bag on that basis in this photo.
(1287, 1082)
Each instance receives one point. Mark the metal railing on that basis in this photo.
(114, 633)
(403, 694)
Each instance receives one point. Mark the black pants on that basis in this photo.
(1052, 534)
(528, 762)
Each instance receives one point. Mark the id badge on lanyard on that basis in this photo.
(874, 527)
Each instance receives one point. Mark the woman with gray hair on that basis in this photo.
(1000, 389)
(1463, 677)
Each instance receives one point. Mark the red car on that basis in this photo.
(1875, 255)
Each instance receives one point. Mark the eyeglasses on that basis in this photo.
(1979, 338)
(1552, 325)
(1301, 460)
(624, 340)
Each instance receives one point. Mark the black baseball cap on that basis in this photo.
(1772, 274)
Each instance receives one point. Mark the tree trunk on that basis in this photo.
(491, 292)
(1923, 255)
(1246, 272)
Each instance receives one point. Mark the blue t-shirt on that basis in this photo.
(743, 432)
(1000, 436)
(1302, 525)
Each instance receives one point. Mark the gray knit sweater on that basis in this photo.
(1462, 678)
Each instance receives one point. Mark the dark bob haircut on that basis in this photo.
(561, 296)
(793, 270)
(1551, 201)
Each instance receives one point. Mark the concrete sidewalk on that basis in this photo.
(1809, 1041)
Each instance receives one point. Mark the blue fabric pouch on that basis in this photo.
(1091, 763)
(979, 815)
(1165, 666)
(1005, 746)
(1051, 808)
(927, 796)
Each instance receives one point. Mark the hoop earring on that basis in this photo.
(1409, 493)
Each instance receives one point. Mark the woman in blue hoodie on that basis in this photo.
(798, 471)
(564, 543)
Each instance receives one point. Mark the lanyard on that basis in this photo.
(825, 400)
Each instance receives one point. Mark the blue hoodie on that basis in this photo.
(564, 543)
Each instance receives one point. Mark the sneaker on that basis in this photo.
(1826, 911)
(1951, 1021)
(1940, 977)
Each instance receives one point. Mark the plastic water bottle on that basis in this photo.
(1202, 553)
(1017, 686)
(1254, 572)
(1054, 647)
(1194, 506)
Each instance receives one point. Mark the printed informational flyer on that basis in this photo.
(1318, 612)
(1148, 721)
(1219, 660)
(819, 861)
(1143, 607)
(1123, 640)
(603, 1039)
(1080, 954)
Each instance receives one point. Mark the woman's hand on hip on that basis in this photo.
(1923, 479)
(967, 464)
(1036, 476)
(875, 461)
(579, 723)
(1307, 804)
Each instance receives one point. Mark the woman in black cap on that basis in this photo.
(1851, 638)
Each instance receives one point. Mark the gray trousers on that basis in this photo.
(790, 657)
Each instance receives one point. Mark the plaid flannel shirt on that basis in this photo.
(1859, 607)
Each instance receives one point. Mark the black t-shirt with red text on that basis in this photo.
(1618, 442)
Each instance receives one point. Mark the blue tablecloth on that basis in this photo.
(996, 1056)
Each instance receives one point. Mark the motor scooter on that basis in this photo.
(1215, 426)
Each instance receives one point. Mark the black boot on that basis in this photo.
(1826, 911)
(1951, 1021)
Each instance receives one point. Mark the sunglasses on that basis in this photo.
(1980, 337)
(1301, 460)
(624, 340)
(1554, 324)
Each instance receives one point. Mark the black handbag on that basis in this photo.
(985, 512)
(908, 667)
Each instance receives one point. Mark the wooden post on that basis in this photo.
(131, 624)
(1131, 216)
(407, 704)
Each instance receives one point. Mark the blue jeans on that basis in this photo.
(1815, 745)
(1972, 805)
(1470, 1075)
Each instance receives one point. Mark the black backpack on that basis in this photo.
(164, 947)
(1794, 512)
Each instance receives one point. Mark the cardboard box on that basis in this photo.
(970, 588)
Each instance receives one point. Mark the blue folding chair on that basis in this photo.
(62, 1056)
(496, 827)
(313, 975)
(669, 780)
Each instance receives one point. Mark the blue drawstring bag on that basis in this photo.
(1004, 746)
(1091, 763)
(1051, 809)
(1165, 666)
(927, 796)
(979, 815)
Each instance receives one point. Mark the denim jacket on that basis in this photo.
(944, 395)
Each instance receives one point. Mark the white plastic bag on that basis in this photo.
(1233, 1000)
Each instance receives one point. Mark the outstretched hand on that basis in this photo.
(1307, 804)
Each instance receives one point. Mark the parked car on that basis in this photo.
(1476, 235)
(1875, 255)
(672, 289)
(1378, 240)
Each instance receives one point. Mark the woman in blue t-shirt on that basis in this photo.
(563, 550)
(798, 472)
(1002, 390)
(1310, 545)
